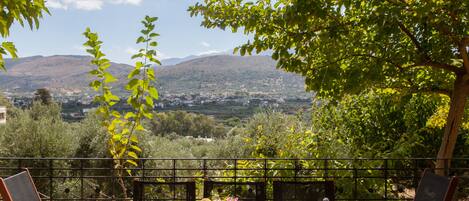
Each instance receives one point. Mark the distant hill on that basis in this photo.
(61, 72)
(222, 73)
(212, 74)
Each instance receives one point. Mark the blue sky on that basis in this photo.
(118, 24)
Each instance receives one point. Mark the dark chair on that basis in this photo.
(304, 191)
(19, 187)
(252, 191)
(433, 187)
(148, 190)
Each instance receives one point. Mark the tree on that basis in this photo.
(18, 11)
(43, 95)
(38, 132)
(185, 124)
(123, 129)
(343, 46)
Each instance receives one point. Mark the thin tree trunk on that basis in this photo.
(453, 122)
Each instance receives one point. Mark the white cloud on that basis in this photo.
(210, 52)
(80, 48)
(88, 4)
(131, 51)
(56, 4)
(132, 2)
(205, 44)
(159, 55)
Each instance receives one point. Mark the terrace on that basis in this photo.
(251, 179)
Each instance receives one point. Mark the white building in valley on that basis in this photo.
(3, 115)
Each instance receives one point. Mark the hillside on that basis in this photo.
(58, 73)
(213, 74)
(220, 74)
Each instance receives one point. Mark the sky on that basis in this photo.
(118, 25)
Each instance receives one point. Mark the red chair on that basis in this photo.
(433, 187)
(19, 187)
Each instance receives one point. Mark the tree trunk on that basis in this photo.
(453, 122)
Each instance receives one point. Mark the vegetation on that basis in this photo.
(394, 80)
(182, 123)
(21, 11)
(123, 143)
(411, 46)
(43, 95)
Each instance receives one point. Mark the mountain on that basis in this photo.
(217, 74)
(222, 73)
(174, 61)
(58, 73)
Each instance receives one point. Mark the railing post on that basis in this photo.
(326, 169)
(20, 164)
(447, 166)
(174, 170)
(113, 177)
(81, 180)
(265, 170)
(51, 185)
(235, 176)
(416, 174)
(204, 165)
(355, 188)
(173, 187)
(386, 179)
(143, 170)
(296, 170)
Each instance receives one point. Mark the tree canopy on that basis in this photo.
(22, 11)
(342, 46)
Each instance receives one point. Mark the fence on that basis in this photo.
(354, 179)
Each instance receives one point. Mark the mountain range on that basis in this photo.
(216, 74)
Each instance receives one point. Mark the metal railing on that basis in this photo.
(354, 179)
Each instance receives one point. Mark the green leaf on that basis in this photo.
(149, 101)
(108, 77)
(10, 47)
(136, 148)
(134, 139)
(140, 39)
(129, 115)
(132, 84)
(132, 162)
(117, 137)
(95, 85)
(134, 73)
(132, 154)
(124, 141)
(94, 72)
(153, 92)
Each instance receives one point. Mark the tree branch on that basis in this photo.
(444, 66)
(413, 39)
(432, 90)
(463, 52)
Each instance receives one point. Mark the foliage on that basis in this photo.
(386, 123)
(43, 95)
(92, 138)
(185, 124)
(21, 11)
(123, 129)
(38, 132)
(376, 43)
(343, 47)
(269, 133)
